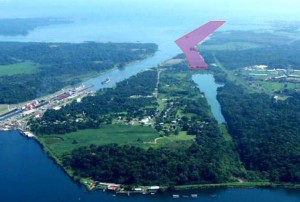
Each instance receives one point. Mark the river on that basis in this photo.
(206, 83)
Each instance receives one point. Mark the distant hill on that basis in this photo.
(22, 26)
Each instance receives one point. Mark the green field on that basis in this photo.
(120, 134)
(271, 87)
(141, 136)
(180, 141)
(231, 46)
(3, 109)
(225, 132)
(18, 68)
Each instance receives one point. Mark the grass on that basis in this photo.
(3, 109)
(180, 141)
(270, 87)
(230, 46)
(234, 78)
(141, 136)
(18, 68)
(225, 132)
(119, 134)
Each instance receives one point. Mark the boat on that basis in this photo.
(194, 195)
(26, 134)
(107, 80)
(176, 196)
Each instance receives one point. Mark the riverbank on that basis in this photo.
(92, 185)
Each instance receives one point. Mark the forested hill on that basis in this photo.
(30, 70)
(22, 26)
(266, 131)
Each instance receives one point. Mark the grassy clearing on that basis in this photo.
(230, 46)
(180, 141)
(234, 78)
(3, 109)
(18, 68)
(120, 134)
(225, 133)
(271, 87)
(141, 136)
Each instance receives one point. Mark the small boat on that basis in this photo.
(176, 196)
(194, 195)
(107, 80)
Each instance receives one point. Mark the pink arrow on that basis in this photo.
(188, 43)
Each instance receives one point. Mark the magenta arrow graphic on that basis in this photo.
(188, 43)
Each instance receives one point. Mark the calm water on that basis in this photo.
(28, 174)
(207, 84)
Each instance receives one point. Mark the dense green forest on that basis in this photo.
(60, 64)
(135, 166)
(209, 159)
(266, 131)
(275, 56)
(22, 26)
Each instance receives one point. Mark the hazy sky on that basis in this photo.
(181, 9)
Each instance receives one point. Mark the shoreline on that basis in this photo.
(83, 78)
(104, 185)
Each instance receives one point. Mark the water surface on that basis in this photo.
(207, 84)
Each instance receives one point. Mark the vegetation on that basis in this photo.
(275, 56)
(259, 144)
(120, 134)
(22, 26)
(103, 108)
(53, 66)
(18, 68)
(266, 131)
(133, 165)
(187, 146)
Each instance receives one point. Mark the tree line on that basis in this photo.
(266, 131)
(61, 64)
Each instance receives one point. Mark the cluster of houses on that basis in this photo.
(290, 75)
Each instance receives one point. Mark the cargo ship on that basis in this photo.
(107, 80)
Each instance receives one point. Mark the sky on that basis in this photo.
(181, 9)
